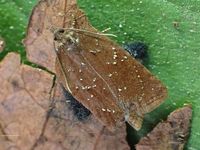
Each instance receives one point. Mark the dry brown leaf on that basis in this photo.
(24, 120)
(171, 134)
(69, 133)
(24, 100)
(39, 39)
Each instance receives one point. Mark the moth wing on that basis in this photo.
(85, 84)
(136, 90)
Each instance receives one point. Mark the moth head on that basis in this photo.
(65, 36)
(58, 34)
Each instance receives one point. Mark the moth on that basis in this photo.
(102, 76)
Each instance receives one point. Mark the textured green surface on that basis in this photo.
(13, 21)
(174, 51)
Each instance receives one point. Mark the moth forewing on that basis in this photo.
(105, 78)
(132, 84)
(86, 85)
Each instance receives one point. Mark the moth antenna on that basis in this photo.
(85, 31)
(105, 30)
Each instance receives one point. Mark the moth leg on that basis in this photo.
(62, 77)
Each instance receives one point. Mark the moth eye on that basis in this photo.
(61, 30)
(55, 38)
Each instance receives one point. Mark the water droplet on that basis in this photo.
(11, 27)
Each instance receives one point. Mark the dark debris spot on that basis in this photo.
(78, 109)
(138, 50)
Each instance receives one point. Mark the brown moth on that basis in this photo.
(101, 75)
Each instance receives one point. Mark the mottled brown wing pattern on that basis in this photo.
(103, 77)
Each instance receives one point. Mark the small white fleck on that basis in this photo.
(94, 86)
(91, 96)
(113, 111)
(83, 88)
(93, 52)
(125, 57)
(76, 87)
(119, 89)
(152, 89)
(138, 76)
(122, 60)
(98, 50)
(114, 56)
(107, 63)
(136, 70)
(110, 75)
(77, 40)
(113, 48)
(94, 79)
(83, 64)
(125, 88)
(89, 87)
(60, 14)
(80, 70)
(114, 63)
(61, 44)
(88, 99)
(104, 88)
(108, 110)
(81, 79)
(103, 109)
(68, 70)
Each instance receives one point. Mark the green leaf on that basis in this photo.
(171, 29)
(14, 19)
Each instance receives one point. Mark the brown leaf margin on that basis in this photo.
(171, 134)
